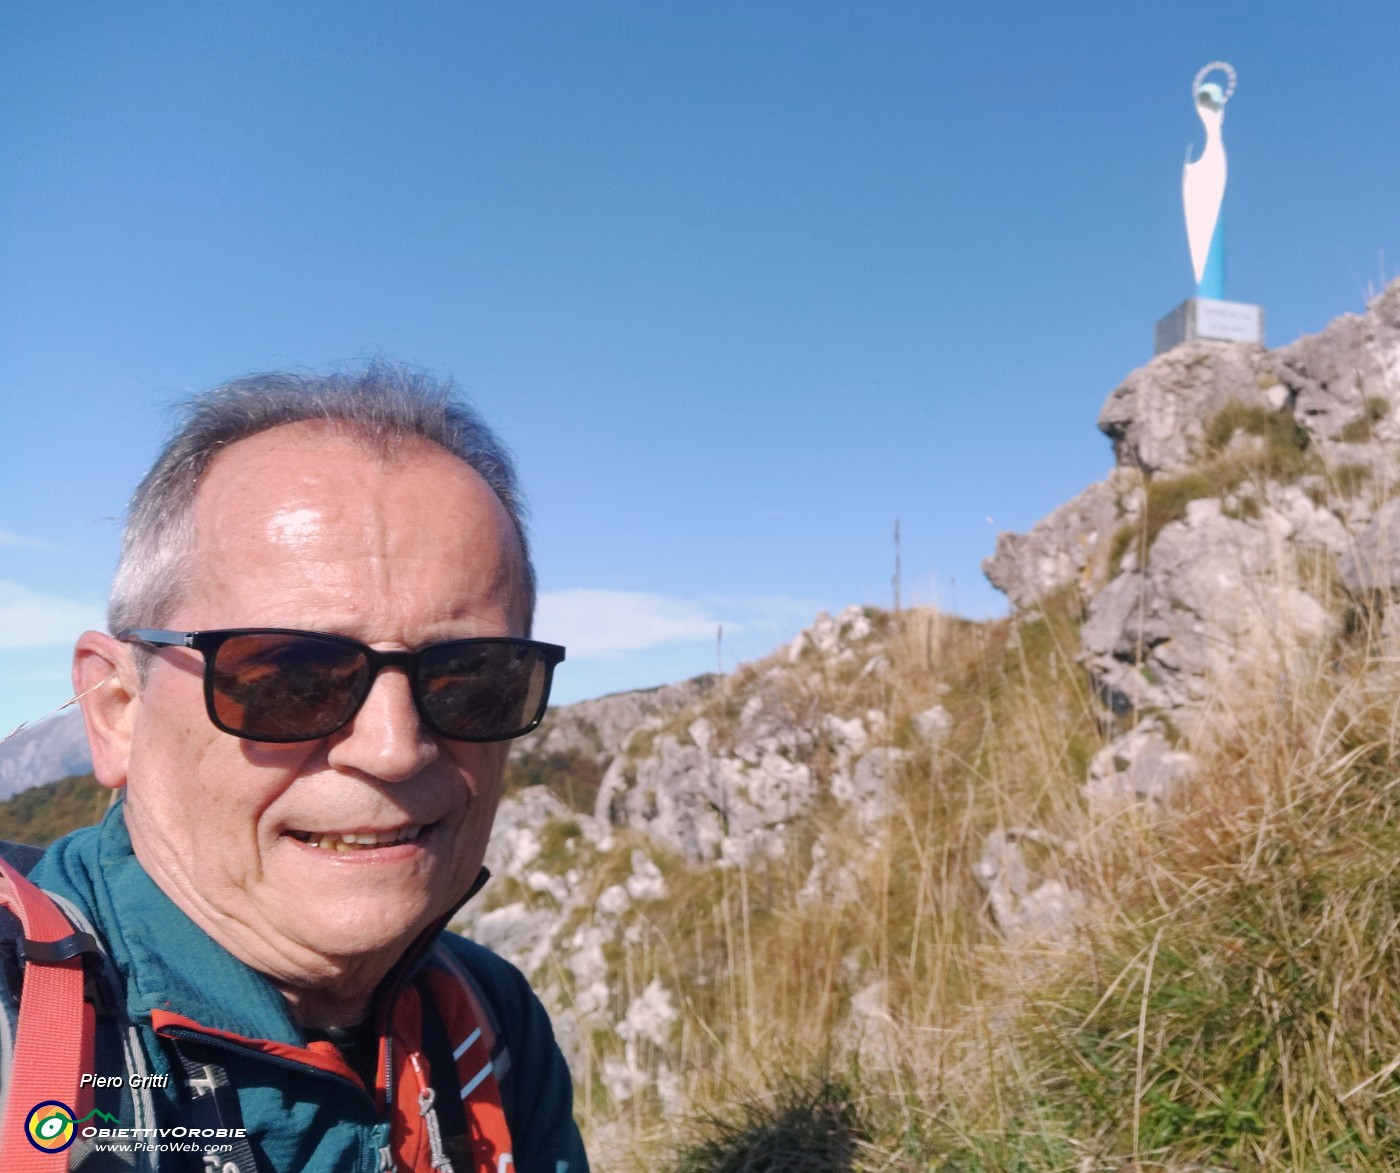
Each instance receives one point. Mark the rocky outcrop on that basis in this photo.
(1157, 419)
(1070, 546)
(1370, 564)
(1341, 376)
(1217, 597)
(1251, 488)
(1232, 582)
(724, 773)
(571, 751)
(1209, 560)
(1248, 483)
(707, 804)
(599, 729)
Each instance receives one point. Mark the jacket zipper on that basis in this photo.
(194, 1036)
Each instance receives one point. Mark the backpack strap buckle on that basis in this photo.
(76, 944)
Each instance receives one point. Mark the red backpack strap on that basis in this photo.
(472, 1083)
(479, 1053)
(42, 1084)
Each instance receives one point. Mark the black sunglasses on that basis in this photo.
(274, 684)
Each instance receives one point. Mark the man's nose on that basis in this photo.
(386, 739)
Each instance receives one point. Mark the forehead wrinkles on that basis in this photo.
(310, 497)
(264, 499)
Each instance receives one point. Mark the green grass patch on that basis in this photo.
(45, 813)
(1284, 456)
(1244, 509)
(1348, 479)
(1165, 501)
(1361, 429)
(560, 843)
(1245, 1014)
(1200, 1046)
(1286, 444)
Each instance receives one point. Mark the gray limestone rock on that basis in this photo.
(871, 1033)
(1370, 564)
(1348, 372)
(865, 787)
(833, 635)
(933, 724)
(707, 806)
(1157, 419)
(523, 936)
(1024, 906)
(830, 883)
(727, 790)
(1111, 629)
(600, 728)
(1219, 598)
(1299, 520)
(1138, 767)
(1069, 546)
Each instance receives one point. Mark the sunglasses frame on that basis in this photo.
(207, 643)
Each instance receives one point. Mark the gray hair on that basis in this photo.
(384, 403)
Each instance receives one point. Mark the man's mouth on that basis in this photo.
(357, 840)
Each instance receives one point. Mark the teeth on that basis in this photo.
(355, 841)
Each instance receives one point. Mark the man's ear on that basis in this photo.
(104, 677)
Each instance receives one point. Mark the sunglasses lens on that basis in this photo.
(281, 687)
(483, 690)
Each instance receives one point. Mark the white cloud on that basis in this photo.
(593, 623)
(19, 540)
(602, 624)
(31, 620)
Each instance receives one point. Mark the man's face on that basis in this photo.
(301, 527)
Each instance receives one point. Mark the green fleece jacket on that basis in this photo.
(304, 1109)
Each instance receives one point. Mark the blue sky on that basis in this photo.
(741, 283)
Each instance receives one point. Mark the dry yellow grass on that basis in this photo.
(1227, 1000)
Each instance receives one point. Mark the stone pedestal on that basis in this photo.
(1203, 317)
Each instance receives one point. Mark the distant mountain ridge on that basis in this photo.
(53, 748)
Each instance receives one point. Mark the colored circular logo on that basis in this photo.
(49, 1126)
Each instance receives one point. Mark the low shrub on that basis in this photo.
(806, 1124)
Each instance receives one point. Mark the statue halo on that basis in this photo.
(1206, 70)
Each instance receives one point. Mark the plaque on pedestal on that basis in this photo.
(1205, 317)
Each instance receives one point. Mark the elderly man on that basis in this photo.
(319, 653)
